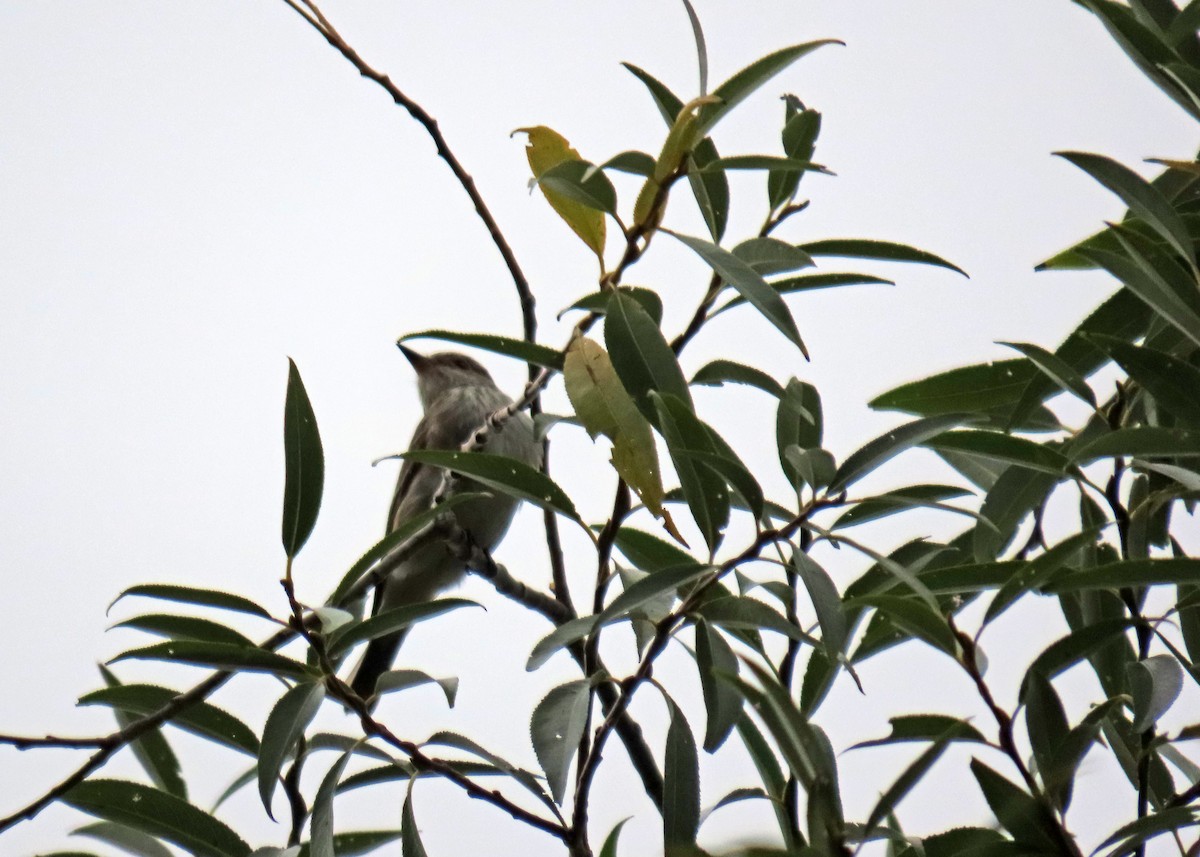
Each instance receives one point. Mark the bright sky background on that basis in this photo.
(192, 192)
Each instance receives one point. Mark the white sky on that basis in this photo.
(190, 192)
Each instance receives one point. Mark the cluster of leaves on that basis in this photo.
(1128, 592)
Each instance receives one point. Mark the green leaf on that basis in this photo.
(926, 727)
(1133, 834)
(321, 824)
(556, 728)
(1129, 573)
(967, 389)
(1045, 719)
(1036, 572)
(798, 421)
(810, 282)
(908, 778)
(545, 149)
(410, 834)
(649, 552)
(1025, 818)
(749, 284)
(703, 487)
(565, 634)
(519, 349)
(1139, 275)
(745, 613)
(221, 656)
(637, 163)
(887, 251)
(501, 473)
(1066, 651)
(185, 628)
(891, 444)
(409, 528)
(721, 702)
(883, 505)
(915, 618)
(640, 354)
(1156, 683)
(610, 842)
(191, 595)
(597, 302)
(285, 725)
(769, 256)
(1057, 370)
(719, 372)
(354, 843)
(391, 621)
(581, 182)
(157, 814)
(523, 777)
(604, 407)
(1174, 383)
(800, 133)
(649, 588)
(304, 465)
(127, 839)
(1014, 495)
(769, 773)
(826, 601)
(151, 749)
(199, 718)
(397, 680)
(814, 467)
(1142, 441)
(737, 88)
(1005, 448)
(681, 780)
(1143, 199)
(764, 162)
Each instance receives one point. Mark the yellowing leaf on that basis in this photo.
(605, 408)
(546, 148)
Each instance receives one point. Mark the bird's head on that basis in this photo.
(437, 373)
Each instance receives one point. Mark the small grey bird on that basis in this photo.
(457, 395)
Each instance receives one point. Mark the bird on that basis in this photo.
(457, 396)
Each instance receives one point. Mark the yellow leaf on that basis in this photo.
(605, 408)
(546, 148)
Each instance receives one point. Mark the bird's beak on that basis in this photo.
(418, 361)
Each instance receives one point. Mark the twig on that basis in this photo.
(22, 742)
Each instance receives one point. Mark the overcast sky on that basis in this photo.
(192, 192)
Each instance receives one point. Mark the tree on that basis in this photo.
(736, 575)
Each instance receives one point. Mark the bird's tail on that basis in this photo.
(376, 660)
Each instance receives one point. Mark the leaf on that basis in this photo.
(1066, 651)
(410, 834)
(1020, 814)
(681, 781)
(1038, 571)
(597, 302)
(1046, 721)
(640, 354)
(556, 729)
(199, 718)
(582, 182)
(157, 814)
(1156, 683)
(800, 133)
(1014, 495)
(809, 282)
(501, 473)
(908, 778)
(749, 284)
(1174, 383)
(826, 601)
(304, 465)
(926, 727)
(409, 528)
(191, 595)
(649, 588)
(546, 148)
(915, 618)
(1131, 573)
(883, 505)
(1005, 448)
(129, 840)
(604, 407)
(637, 163)
(649, 552)
(873, 454)
(609, 848)
(703, 487)
(396, 680)
(1057, 370)
(765, 162)
(1134, 833)
(321, 824)
(719, 372)
(523, 777)
(285, 725)
(391, 621)
(737, 88)
(967, 389)
(769, 773)
(1137, 273)
(151, 749)
(722, 703)
(1143, 441)
(798, 420)
(185, 628)
(769, 256)
(221, 656)
(814, 467)
(742, 612)
(887, 251)
(1143, 199)
(353, 843)
(519, 349)
(565, 634)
